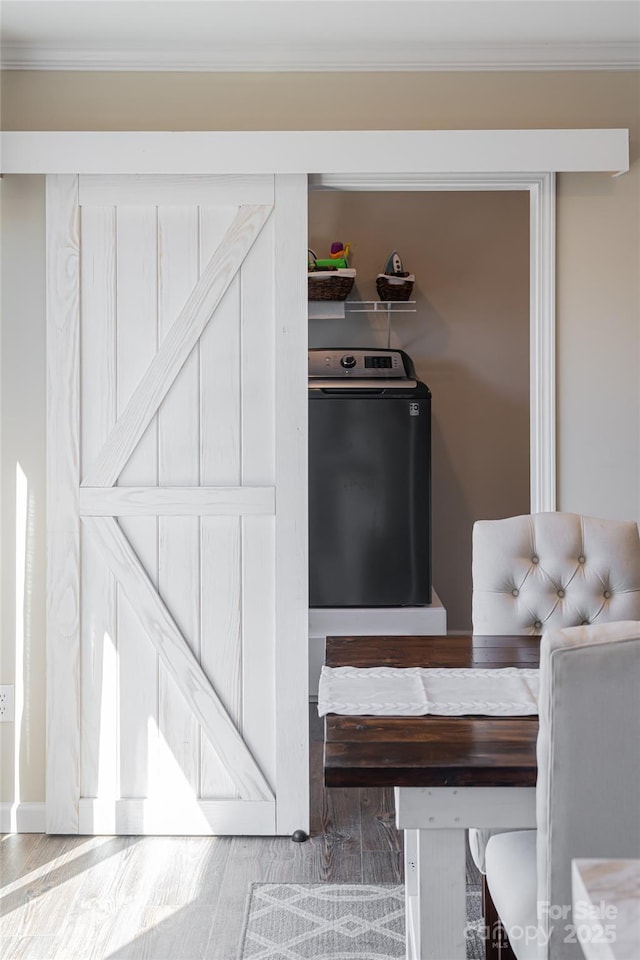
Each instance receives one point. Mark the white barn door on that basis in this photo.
(177, 584)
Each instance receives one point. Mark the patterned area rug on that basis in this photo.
(335, 921)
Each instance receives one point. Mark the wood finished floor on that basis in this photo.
(173, 898)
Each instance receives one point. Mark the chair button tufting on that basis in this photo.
(515, 592)
(580, 559)
(584, 623)
(607, 594)
(535, 560)
(561, 594)
(538, 624)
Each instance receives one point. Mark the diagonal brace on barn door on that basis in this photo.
(177, 345)
(177, 656)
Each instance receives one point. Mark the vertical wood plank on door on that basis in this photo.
(220, 365)
(136, 346)
(258, 533)
(63, 479)
(259, 644)
(179, 465)
(220, 464)
(291, 517)
(258, 361)
(221, 627)
(98, 605)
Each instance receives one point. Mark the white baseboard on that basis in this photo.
(22, 818)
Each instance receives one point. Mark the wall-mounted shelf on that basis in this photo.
(338, 309)
(380, 306)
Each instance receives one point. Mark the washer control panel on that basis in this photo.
(361, 364)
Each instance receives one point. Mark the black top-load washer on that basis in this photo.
(369, 480)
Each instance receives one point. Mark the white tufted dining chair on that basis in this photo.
(546, 570)
(588, 789)
(551, 570)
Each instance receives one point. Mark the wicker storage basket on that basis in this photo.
(329, 286)
(394, 288)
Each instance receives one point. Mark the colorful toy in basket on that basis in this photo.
(395, 283)
(332, 278)
(338, 258)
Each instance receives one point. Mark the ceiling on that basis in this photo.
(320, 34)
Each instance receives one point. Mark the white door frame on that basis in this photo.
(542, 288)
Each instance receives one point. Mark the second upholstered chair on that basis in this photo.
(587, 794)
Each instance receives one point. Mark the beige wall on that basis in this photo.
(598, 305)
(316, 101)
(22, 452)
(469, 339)
(598, 274)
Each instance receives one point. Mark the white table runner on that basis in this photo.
(415, 691)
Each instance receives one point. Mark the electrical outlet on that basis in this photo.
(6, 703)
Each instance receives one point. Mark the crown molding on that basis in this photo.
(347, 57)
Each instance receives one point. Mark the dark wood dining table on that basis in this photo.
(449, 773)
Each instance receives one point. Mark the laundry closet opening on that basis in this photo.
(469, 339)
